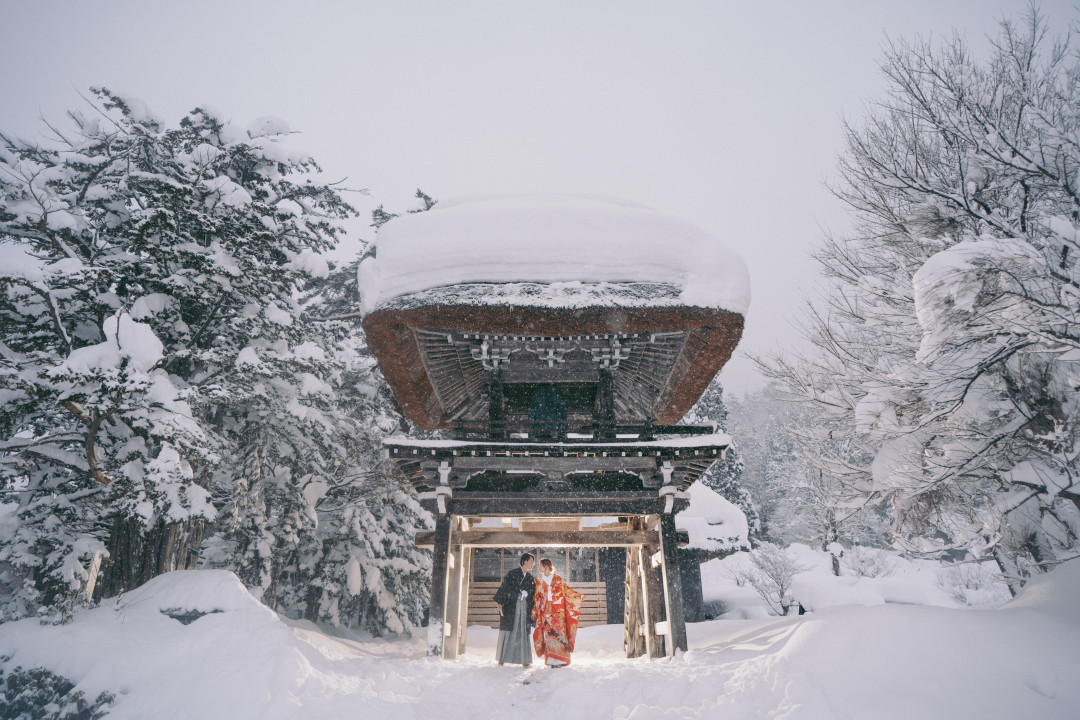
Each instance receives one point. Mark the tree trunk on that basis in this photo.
(1007, 572)
(138, 554)
(277, 566)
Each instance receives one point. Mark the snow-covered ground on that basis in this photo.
(879, 661)
(867, 577)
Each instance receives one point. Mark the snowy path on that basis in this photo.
(884, 661)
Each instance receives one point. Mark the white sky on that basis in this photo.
(726, 114)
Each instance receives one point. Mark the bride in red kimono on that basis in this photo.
(556, 611)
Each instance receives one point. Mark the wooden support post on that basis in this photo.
(439, 579)
(453, 591)
(463, 613)
(634, 610)
(673, 595)
(654, 594)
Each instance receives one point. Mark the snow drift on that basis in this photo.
(236, 659)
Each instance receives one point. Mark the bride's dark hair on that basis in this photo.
(546, 564)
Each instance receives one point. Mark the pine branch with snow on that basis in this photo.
(163, 380)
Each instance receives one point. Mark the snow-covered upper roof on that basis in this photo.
(554, 240)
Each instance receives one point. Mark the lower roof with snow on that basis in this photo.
(549, 291)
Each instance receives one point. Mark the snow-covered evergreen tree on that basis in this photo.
(948, 347)
(157, 366)
(363, 570)
(725, 475)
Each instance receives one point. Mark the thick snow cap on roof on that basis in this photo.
(712, 521)
(554, 240)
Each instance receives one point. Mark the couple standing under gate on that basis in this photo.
(549, 604)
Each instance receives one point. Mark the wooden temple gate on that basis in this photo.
(562, 394)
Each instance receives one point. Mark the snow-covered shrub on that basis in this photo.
(868, 562)
(40, 694)
(771, 576)
(969, 583)
(737, 574)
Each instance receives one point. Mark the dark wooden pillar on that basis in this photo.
(613, 563)
(673, 595)
(690, 574)
(605, 400)
(439, 562)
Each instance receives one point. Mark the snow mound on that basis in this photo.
(196, 591)
(1054, 593)
(817, 591)
(551, 239)
(186, 644)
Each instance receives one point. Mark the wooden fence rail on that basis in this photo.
(484, 611)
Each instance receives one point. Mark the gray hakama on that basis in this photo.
(514, 645)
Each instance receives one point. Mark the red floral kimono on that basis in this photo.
(556, 620)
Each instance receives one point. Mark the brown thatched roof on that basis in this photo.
(433, 355)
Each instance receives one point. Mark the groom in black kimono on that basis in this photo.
(515, 600)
